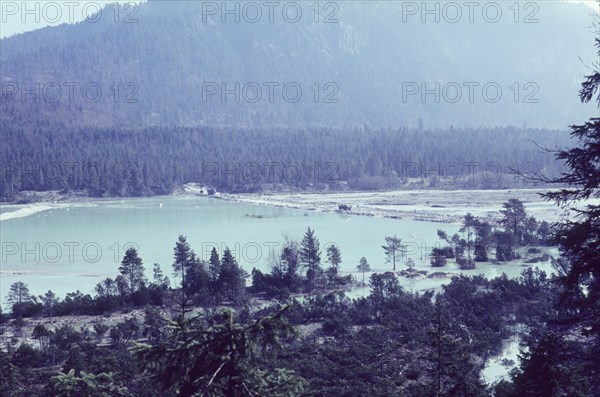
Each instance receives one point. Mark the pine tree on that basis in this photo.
(132, 269)
(467, 227)
(159, 277)
(334, 257)
(514, 218)
(579, 239)
(394, 250)
(363, 267)
(49, 300)
(18, 293)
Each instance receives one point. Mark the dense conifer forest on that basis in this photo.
(154, 161)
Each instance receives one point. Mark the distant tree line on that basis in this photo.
(154, 161)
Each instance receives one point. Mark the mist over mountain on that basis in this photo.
(337, 64)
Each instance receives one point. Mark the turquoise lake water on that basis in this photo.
(74, 246)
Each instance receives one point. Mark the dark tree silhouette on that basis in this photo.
(579, 242)
(310, 256)
(579, 239)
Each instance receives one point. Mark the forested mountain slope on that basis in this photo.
(356, 63)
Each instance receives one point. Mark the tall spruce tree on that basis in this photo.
(310, 256)
(579, 238)
(564, 361)
(232, 278)
(182, 254)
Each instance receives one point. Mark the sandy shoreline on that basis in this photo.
(444, 206)
(422, 205)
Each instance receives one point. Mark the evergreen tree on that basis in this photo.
(232, 278)
(394, 250)
(49, 300)
(384, 286)
(290, 257)
(363, 267)
(310, 257)
(18, 293)
(159, 277)
(89, 385)
(456, 371)
(198, 279)
(505, 242)
(334, 257)
(467, 227)
(132, 269)
(514, 218)
(11, 380)
(579, 238)
(222, 360)
(483, 230)
(546, 372)
(438, 257)
(214, 267)
(122, 285)
(182, 254)
(530, 236)
(544, 232)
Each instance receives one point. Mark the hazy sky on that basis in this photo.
(18, 16)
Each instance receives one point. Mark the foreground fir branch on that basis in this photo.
(199, 359)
